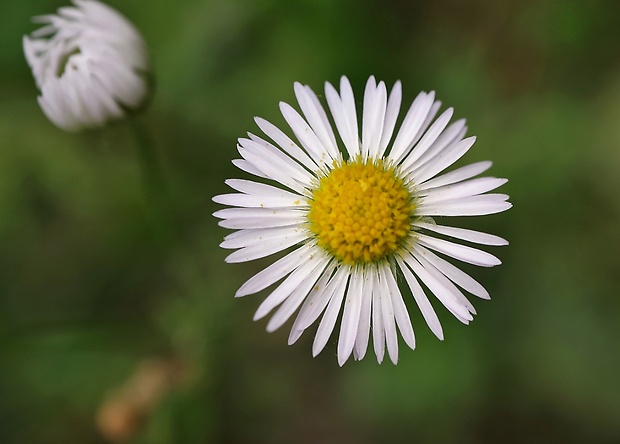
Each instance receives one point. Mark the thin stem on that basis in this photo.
(150, 163)
(153, 180)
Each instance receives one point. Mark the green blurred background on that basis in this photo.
(117, 316)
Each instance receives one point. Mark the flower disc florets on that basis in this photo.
(361, 211)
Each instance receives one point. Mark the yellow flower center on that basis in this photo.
(361, 212)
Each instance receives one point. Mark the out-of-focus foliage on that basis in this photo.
(117, 316)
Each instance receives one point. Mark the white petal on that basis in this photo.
(421, 300)
(459, 297)
(331, 314)
(266, 248)
(305, 135)
(443, 294)
(275, 160)
(375, 99)
(443, 160)
(467, 206)
(277, 169)
(411, 125)
(348, 104)
(368, 110)
(250, 218)
(240, 213)
(275, 271)
(314, 304)
(52, 110)
(451, 135)
(315, 116)
(350, 317)
(462, 233)
(258, 201)
(293, 281)
(389, 326)
(363, 329)
(285, 143)
(429, 118)
(460, 252)
(429, 138)
(298, 295)
(249, 167)
(378, 331)
(250, 223)
(248, 238)
(259, 222)
(342, 108)
(467, 188)
(349, 138)
(455, 176)
(400, 310)
(259, 188)
(326, 122)
(391, 114)
(455, 274)
(294, 334)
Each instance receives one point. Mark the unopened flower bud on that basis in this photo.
(90, 64)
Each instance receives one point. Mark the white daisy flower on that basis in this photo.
(90, 64)
(359, 219)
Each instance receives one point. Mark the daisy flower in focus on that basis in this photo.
(357, 216)
(90, 64)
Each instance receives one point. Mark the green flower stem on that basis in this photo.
(153, 179)
(150, 163)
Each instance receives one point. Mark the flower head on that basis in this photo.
(359, 219)
(90, 64)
